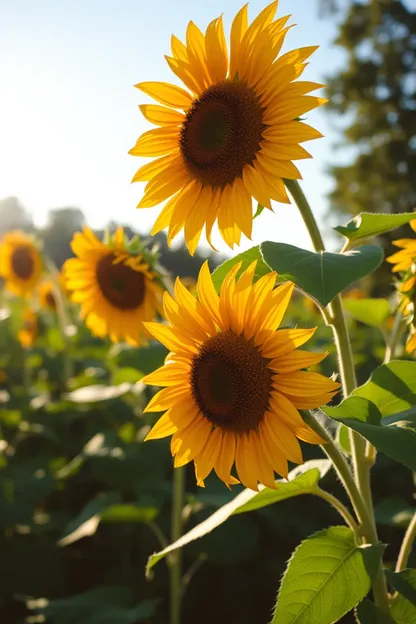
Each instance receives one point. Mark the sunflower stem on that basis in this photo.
(341, 466)
(406, 547)
(63, 322)
(361, 467)
(339, 507)
(176, 557)
(394, 337)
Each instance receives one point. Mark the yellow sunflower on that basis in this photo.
(46, 292)
(405, 262)
(116, 288)
(20, 263)
(29, 331)
(232, 135)
(233, 383)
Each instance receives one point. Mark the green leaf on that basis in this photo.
(369, 311)
(301, 480)
(327, 576)
(106, 508)
(363, 416)
(128, 513)
(368, 613)
(368, 224)
(321, 275)
(404, 582)
(246, 258)
(403, 608)
(259, 210)
(101, 605)
(343, 438)
(127, 374)
(392, 387)
(393, 511)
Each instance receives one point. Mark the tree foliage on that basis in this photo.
(375, 95)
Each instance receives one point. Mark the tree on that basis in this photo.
(57, 235)
(375, 93)
(13, 216)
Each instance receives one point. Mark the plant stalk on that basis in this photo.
(406, 547)
(340, 508)
(347, 371)
(175, 561)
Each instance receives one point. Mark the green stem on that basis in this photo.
(340, 508)
(406, 547)
(62, 320)
(346, 364)
(394, 337)
(332, 451)
(176, 557)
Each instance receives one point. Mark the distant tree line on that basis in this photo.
(62, 223)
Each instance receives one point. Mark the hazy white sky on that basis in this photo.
(68, 109)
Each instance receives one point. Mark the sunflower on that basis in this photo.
(232, 135)
(46, 292)
(404, 262)
(117, 289)
(233, 383)
(20, 263)
(29, 331)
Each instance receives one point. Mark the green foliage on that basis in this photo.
(372, 312)
(403, 608)
(363, 416)
(327, 575)
(366, 224)
(246, 258)
(391, 387)
(367, 613)
(321, 275)
(301, 480)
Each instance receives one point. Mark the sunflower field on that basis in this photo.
(234, 443)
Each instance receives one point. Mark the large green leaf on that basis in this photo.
(403, 608)
(327, 576)
(369, 311)
(367, 613)
(321, 275)
(363, 416)
(246, 258)
(368, 224)
(302, 480)
(392, 387)
(106, 508)
(101, 605)
(404, 582)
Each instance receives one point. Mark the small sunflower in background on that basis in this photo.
(47, 292)
(29, 331)
(232, 134)
(404, 262)
(115, 285)
(234, 381)
(20, 263)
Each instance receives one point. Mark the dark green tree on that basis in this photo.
(374, 96)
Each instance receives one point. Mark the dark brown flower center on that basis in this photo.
(50, 300)
(222, 133)
(22, 262)
(231, 382)
(120, 284)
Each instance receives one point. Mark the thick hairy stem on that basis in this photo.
(346, 364)
(175, 560)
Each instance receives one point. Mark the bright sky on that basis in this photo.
(68, 109)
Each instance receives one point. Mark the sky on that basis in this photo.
(69, 110)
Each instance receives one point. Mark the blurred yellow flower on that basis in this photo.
(46, 292)
(233, 383)
(117, 289)
(405, 262)
(29, 331)
(20, 263)
(232, 135)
